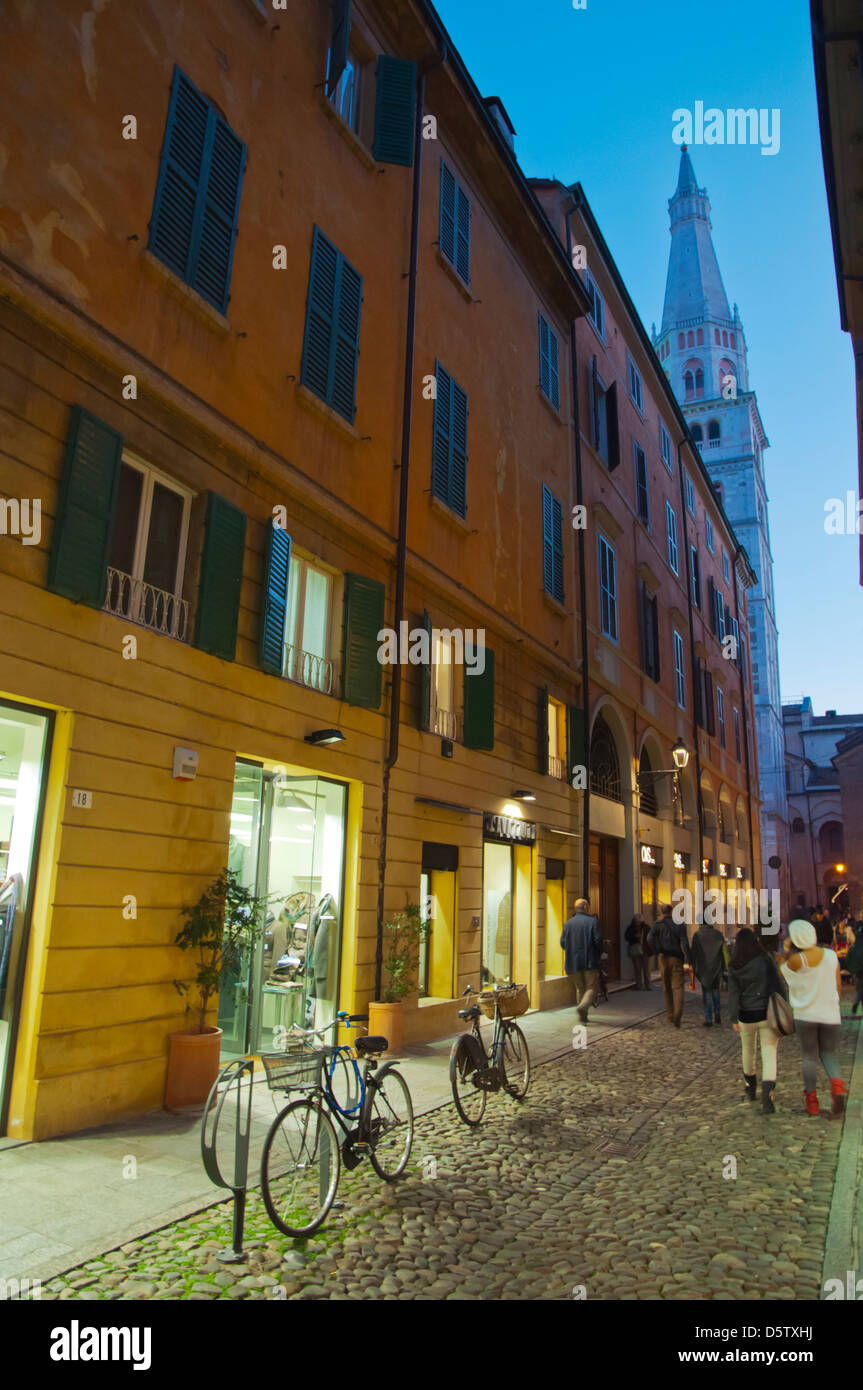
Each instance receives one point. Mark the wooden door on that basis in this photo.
(605, 897)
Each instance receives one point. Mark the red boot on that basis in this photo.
(811, 1098)
(838, 1092)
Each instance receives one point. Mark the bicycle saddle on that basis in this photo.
(371, 1044)
(469, 1013)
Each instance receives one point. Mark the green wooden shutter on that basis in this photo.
(442, 433)
(81, 542)
(394, 111)
(576, 738)
(549, 373)
(547, 546)
(274, 600)
(458, 457)
(346, 344)
(462, 228)
(332, 337)
(542, 730)
(364, 618)
(447, 213)
(479, 706)
(425, 680)
(221, 579)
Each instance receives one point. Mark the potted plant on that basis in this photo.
(225, 920)
(402, 937)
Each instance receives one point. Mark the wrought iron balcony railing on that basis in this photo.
(146, 605)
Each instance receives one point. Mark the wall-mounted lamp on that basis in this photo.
(680, 754)
(523, 796)
(323, 736)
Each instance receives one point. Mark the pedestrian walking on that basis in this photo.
(582, 947)
(669, 941)
(707, 950)
(635, 937)
(752, 977)
(814, 989)
(854, 966)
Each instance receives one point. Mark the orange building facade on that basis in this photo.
(287, 366)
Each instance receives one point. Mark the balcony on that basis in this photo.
(445, 723)
(315, 672)
(144, 604)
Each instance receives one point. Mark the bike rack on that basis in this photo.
(230, 1076)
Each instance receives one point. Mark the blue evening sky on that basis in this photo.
(591, 94)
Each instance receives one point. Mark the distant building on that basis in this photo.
(822, 763)
(703, 349)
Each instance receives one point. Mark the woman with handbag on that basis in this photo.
(752, 979)
(814, 988)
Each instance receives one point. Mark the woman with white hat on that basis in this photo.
(814, 987)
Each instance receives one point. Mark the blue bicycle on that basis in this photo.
(302, 1157)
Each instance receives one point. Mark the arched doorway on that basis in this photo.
(610, 782)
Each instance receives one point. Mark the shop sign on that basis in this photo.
(738, 872)
(651, 856)
(508, 828)
(707, 867)
(723, 870)
(681, 860)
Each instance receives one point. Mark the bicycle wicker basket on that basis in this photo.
(512, 1001)
(298, 1068)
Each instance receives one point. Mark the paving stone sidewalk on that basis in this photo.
(612, 1180)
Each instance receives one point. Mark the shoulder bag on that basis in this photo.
(780, 1015)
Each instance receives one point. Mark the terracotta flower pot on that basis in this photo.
(386, 1019)
(193, 1065)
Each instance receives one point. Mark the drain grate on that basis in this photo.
(619, 1150)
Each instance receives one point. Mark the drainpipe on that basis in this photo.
(692, 662)
(582, 579)
(744, 715)
(402, 543)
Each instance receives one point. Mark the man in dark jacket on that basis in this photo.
(582, 947)
(669, 941)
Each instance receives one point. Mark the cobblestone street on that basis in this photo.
(614, 1179)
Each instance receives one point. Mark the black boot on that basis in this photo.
(767, 1106)
(751, 1083)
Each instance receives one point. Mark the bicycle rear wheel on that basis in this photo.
(390, 1117)
(300, 1168)
(515, 1060)
(466, 1059)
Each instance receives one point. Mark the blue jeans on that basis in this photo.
(710, 1000)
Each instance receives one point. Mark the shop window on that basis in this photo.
(148, 550)
(604, 763)
(24, 736)
(438, 906)
(311, 625)
(287, 841)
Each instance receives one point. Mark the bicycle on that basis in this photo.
(473, 1072)
(302, 1156)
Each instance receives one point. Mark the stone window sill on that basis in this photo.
(361, 151)
(460, 522)
(552, 603)
(455, 277)
(553, 410)
(190, 297)
(308, 399)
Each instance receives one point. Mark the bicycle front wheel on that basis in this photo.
(515, 1059)
(300, 1168)
(390, 1117)
(466, 1059)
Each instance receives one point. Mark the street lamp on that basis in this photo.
(680, 754)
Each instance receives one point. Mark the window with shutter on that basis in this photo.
(364, 619)
(542, 727)
(709, 707)
(549, 373)
(454, 235)
(86, 505)
(671, 537)
(274, 601)
(552, 545)
(695, 572)
(607, 589)
(221, 579)
(642, 496)
(394, 111)
(479, 706)
(680, 671)
(195, 212)
(576, 739)
(332, 337)
(449, 447)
